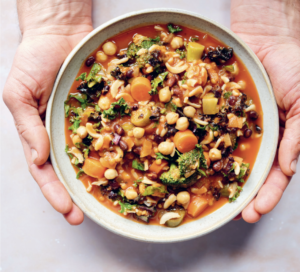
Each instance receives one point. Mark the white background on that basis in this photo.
(35, 238)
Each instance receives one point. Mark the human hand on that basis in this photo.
(51, 29)
(271, 29)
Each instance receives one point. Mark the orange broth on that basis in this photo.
(249, 155)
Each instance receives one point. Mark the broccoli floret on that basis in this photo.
(191, 161)
(174, 178)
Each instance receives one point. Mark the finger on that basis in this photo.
(250, 214)
(271, 192)
(24, 109)
(51, 187)
(290, 146)
(238, 217)
(75, 216)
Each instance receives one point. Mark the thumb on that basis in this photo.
(29, 124)
(289, 148)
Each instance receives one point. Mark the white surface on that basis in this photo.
(35, 238)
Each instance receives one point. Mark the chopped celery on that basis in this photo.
(229, 68)
(194, 51)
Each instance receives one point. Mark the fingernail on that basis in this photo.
(34, 155)
(294, 166)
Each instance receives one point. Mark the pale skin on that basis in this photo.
(51, 29)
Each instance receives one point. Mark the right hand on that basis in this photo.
(51, 29)
(271, 29)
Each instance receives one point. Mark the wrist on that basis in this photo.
(54, 17)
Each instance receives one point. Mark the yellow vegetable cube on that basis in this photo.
(210, 105)
(194, 51)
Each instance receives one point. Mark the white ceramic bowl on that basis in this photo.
(55, 127)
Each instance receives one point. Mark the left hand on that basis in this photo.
(51, 29)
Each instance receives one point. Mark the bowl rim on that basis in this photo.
(262, 71)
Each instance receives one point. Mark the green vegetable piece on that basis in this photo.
(155, 82)
(181, 53)
(229, 68)
(191, 161)
(173, 29)
(227, 95)
(82, 98)
(160, 156)
(172, 223)
(174, 178)
(171, 106)
(243, 172)
(67, 109)
(75, 125)
(149, 42)
(224, 191)
(69, 154)
(137, 165)
(236, 195)
(132, 50)
(116, 108)
(93, 78)
(194, 51)
(194, 39)
(79, 173)
(141, 117)
(150, 190)
(82, 77)
(125, 206)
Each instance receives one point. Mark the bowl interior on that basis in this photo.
(65, 172)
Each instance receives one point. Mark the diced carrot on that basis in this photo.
(185, 141)
(146, 149)
(157, 168)
(234, 121)
(127, 97)
(128, 140)
(206, 155)
(197, 205)
(93, 168)
(126, 177)
(140, 89)
(150, 129)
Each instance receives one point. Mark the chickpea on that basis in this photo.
(130, 193)
(138, 132)
(183, 198)
(215, 154)
(177, 42)
(101, 56)
(166, 148)
(172, 118)
(110, 173)
(165, 95)
(109, 48)
(76, 139)
(82, 132)
(104, 103)
(189, 111)
(182, 123)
